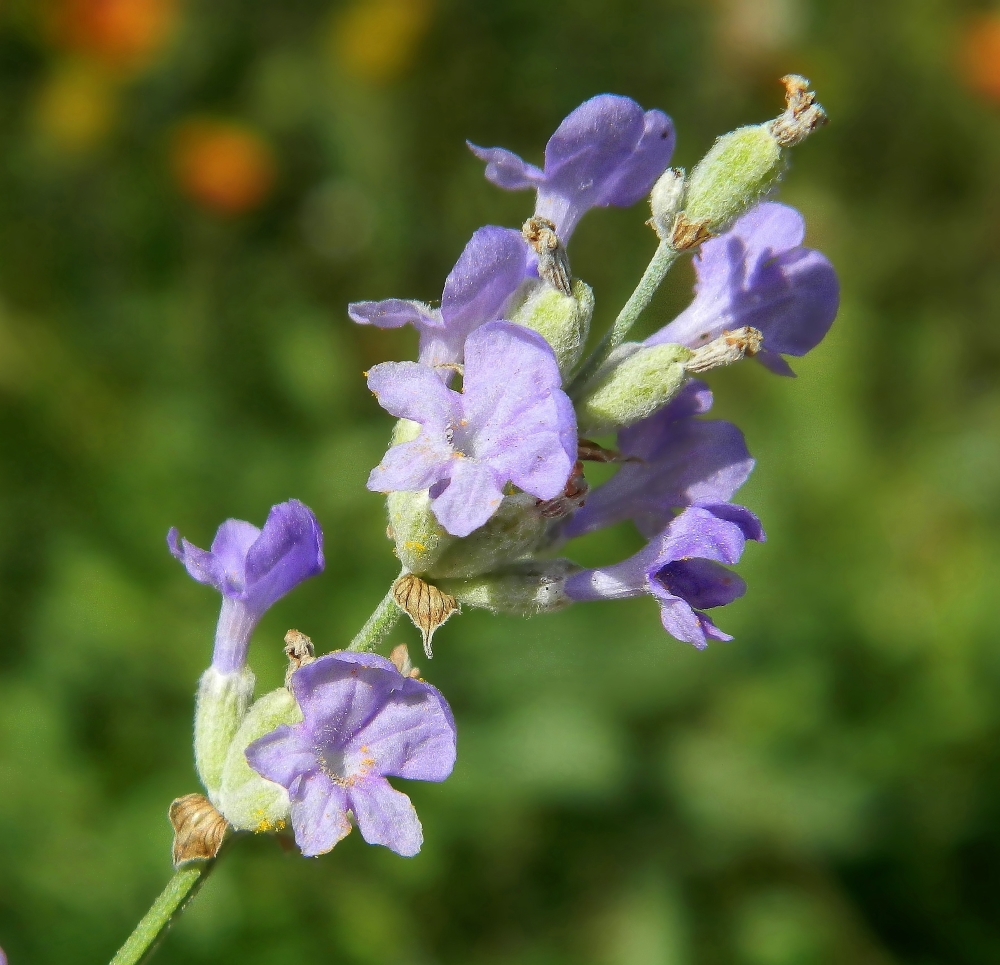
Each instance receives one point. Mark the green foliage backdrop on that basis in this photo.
(825, 789)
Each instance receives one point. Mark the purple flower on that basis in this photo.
(364, 722)
(488, 272)
(679, 461)
(680, 569)
(510, 423)
(252, 569)
(759, 274)
(607, 152)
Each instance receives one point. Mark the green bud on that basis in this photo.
(665, 202)
(511, 533)
(525, 590)
(220, 709)
(737, 172)
(634, 383)
(562, 320)
(248, 801)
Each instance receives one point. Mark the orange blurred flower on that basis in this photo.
(124, 34)
(979, 55)
(224, 166)
(377, 40)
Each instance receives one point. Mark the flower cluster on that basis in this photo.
(486, 474)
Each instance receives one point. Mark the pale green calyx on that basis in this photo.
(221, 706)
(739, 169)
(742, 166)
(523, 590)
(666, 201)
(420, 539)
(562, 320)
(246, 800)
(634, 382)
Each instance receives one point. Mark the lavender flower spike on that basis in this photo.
(363, 722)
(510, 423)
(488, 272)
(759, 274)
(606, 152)
(681, 570)
(674, 460)
(252, 569)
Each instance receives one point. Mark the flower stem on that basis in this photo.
(172, 900)
(654, 274)
(385, 617)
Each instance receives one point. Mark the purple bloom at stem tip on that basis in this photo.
(510, 423)
(676, 460)
(252, 568)
(606, 152)
(680, 569)
(363, 722)
(759, 274)
(489, 271)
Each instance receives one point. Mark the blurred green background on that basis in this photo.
(191, 192)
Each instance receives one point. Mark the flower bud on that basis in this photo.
(666, 201)
(522, 590)
(634, 383)
(222, 704)
(248, 801)
(562, 320)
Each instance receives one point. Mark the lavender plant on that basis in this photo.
(485, 478)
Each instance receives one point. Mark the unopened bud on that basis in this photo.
(742, 166)
(666, 201)
(729, 347)
(522, 590)
(634, 383)
(562, 320)
(248, 801)
(427, 606)
(553, 262)
(222, 704)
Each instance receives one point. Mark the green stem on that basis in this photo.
(654, 274)
(172, 900)
(385, 617)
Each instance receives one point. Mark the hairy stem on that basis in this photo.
(385, 617)
(172, 900)
(654, 274)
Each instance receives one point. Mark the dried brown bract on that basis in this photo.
(199, 829)
(426, 605)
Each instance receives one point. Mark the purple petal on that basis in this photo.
(288, 551)
(748, 523)
(490, 269)
(619, 581)
(283, 755)
(200, 564)
(506, 170)
(701, 583)
(521, 421)
(473, 494)
(319, 813)
(699, 532)
(386, 816)
(759, 274)
(688, 625)
(412, 466)
(411, 390)
(340, 693)
(412, 736)
(394, 313)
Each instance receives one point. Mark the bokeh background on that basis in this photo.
(190, 193)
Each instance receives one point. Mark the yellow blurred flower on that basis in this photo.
(224, 166)
(377, 40)
(123, 34)
(979, 55)
(76, 106)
